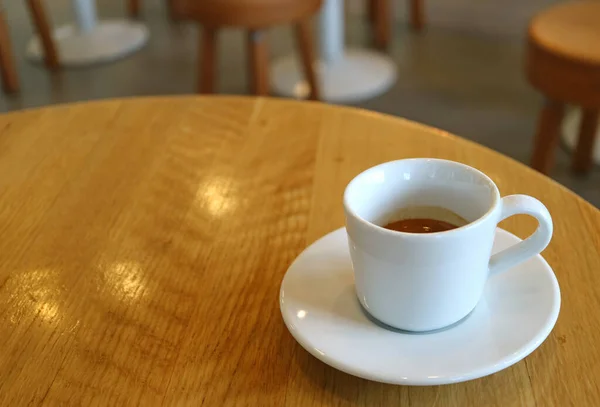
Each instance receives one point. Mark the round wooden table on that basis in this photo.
(144, 242)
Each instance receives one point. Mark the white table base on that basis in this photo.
(107, 41)
(356, 76)
(345, 75)
(570, 133)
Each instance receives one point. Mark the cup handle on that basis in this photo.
(534, 244)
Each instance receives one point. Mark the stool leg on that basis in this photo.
(383, 21)
(173, 9)
(133, 8)
(42, 25)
(582, 156)
(258, 62)
(10, 79)
(417, 15)
(546, 138)
(305, 41)
(208, 50)
(371, 10)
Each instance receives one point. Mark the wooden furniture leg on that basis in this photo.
(42, 25)
(208, 51)
(383, 21)
(546, 138)
(133, 8)
(582, 156)
(307, 52)
(258, 62)
(417, 15)
(372, 11)
(10, 79)
(174, 9)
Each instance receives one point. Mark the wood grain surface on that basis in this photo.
(143, 243)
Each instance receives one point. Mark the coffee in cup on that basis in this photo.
(424, 219)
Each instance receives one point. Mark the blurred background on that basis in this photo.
(463, 73)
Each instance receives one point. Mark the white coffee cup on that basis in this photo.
(427, 281)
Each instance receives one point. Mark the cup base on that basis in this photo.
(391, 328)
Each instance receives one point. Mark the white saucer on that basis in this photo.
(320, 308)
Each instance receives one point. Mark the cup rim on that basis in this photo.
(468, 226)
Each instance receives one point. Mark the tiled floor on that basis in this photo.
(463, 75)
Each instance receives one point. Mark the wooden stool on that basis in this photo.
(563, 62)
(380, 14)
(255, 16)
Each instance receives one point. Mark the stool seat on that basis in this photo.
(569, 30)
(563, 62)
(563, 59)
(252, 14)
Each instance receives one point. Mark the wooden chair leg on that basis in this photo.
(173, 8)
(42, 25)
(371, 10)
(133, 8)
(307, 52)
(417, 15)
(207, 52)
(10, 79)
(546, 139)
(583, 160)
(258, 62)
(382, 19)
